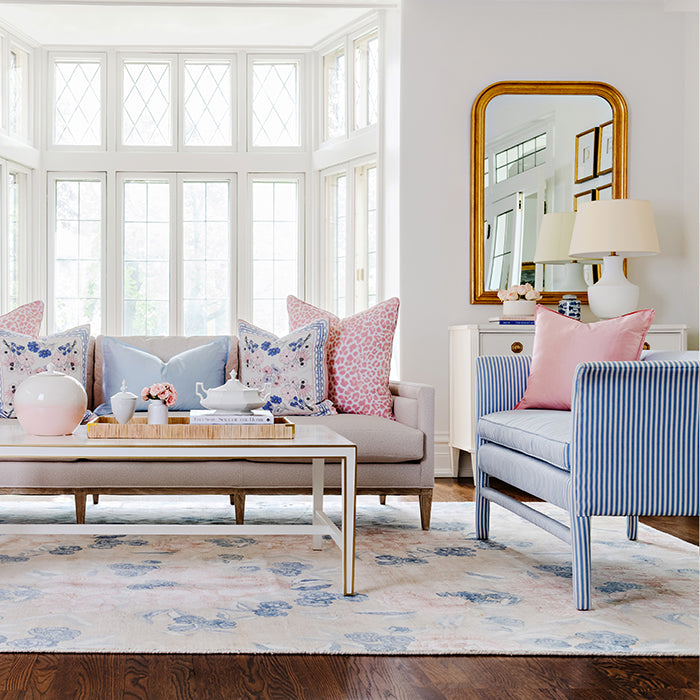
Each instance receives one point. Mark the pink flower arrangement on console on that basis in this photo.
(518, 291)
(160, 390)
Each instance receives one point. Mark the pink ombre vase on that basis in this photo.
(50, 403)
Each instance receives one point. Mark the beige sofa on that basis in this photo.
(394, 456)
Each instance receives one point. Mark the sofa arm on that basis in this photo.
(635, 438)
(500, 382)
(414, 405)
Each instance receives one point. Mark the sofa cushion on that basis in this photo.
(24, 355)
(377, 439)
(561, 343)
(139, 368)
(359, 354)
(540, 433)
(164, 347)
(291, 368)
(25, 319)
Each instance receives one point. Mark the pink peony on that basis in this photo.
(160, 390)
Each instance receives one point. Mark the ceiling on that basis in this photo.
(180, 23)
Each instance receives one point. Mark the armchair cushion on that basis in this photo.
(561, 343)
(543, 434)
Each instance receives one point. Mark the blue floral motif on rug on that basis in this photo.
(417, 592)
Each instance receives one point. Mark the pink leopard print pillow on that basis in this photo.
(25, 319)
(359, 355)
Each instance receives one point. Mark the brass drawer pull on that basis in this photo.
(646, 345)
(516, 347)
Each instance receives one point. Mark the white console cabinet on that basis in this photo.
(468, 342)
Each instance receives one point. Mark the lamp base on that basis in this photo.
(613, 294)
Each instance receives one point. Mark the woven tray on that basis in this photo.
(179, 428)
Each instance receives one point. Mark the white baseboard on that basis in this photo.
(443, 460)
(443, 467)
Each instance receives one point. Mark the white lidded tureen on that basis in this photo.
(232, 396)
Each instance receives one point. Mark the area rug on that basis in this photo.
(435, 592)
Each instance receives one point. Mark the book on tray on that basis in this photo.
(257, 416)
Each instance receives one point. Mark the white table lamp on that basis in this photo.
(552, 247)
(614, 229)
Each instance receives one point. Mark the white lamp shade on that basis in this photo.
(554, 238)
(624, 227)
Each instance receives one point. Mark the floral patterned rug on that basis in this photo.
(436, 592)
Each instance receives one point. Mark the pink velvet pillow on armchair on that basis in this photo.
(359, 354)
(25, 319)
(562, 342)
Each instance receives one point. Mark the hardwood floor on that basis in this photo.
(306, 677)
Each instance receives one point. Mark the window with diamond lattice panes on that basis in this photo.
(146, 104)
(275, 228)
(366, 80)
(206, 257)
(275, 104)
(78, 103)
(334, 94)
(207, 103)
(78, 253)
(146, 257)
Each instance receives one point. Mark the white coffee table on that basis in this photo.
(313, 443)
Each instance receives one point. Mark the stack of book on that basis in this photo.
(513, 320)
(209, 417)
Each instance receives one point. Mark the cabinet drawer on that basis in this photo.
(506, 343)
(666, 342)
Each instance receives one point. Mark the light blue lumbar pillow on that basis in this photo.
(120, 361)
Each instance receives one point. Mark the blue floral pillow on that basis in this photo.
(292, 368)
(24, 355)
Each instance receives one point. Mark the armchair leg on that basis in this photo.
(237, 499)
(632, 523)
(483, 506)
(581, 560)
(425, 500)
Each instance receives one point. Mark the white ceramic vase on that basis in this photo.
(123, 404)
(50, 403)
(521, 307)
(157, 412)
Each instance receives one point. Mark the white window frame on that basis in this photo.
(349, 169)
(50, 127)
(52, 179)
(366, 32)
(9, 44)
(303, 117)
(25, 226)
(231, 179)
(129, 57)
(245, 282)
(232, 60)
(338, 48)
(116, 274)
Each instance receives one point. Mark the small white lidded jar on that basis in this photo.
(123, 404)
(50, 403)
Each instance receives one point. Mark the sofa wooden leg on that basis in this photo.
(95, 498)
(80, 498)
(425, 499)
(382, 499)
(238, 502)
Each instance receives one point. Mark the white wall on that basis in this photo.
(451, 50)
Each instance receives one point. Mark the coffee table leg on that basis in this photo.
(317, 468)
(349, 479)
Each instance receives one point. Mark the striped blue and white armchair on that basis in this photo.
(629, 447)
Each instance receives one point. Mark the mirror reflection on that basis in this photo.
(543, 149)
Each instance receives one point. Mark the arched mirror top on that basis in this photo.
(536, 148)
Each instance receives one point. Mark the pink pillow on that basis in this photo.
(562, 342)
(359, 355)
(25, 319)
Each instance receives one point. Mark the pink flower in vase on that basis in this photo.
(162, 391)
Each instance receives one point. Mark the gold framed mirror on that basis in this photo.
(536, 148)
